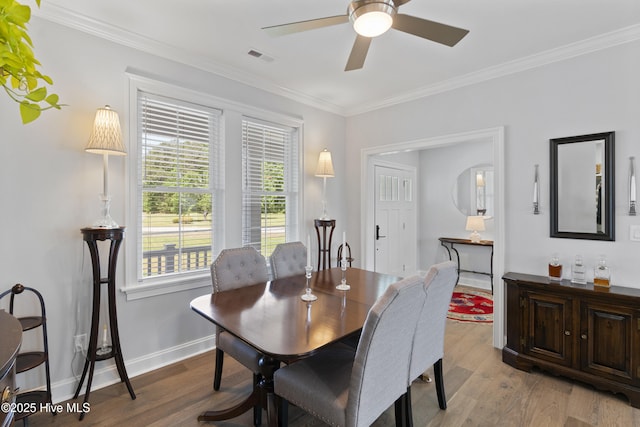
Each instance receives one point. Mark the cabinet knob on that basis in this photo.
(583, 336)
(567, 333)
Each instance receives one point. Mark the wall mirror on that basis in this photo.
(472, 191)
(582, 187)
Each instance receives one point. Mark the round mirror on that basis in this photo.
(472, 191)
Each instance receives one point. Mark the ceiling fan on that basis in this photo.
(371, 18)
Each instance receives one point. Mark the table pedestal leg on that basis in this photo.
(262, 395)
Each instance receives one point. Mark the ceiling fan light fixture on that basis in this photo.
(371, 18)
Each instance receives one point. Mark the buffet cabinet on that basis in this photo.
(583, 332)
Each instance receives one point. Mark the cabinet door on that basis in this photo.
(548, 328)
(609, 340)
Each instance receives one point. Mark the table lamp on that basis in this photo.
(475, 224)
(105, 139)
(325, 170)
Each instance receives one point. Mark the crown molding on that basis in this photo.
(593, 44)
(65, 17)
(71, 19)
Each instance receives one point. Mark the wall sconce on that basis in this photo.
(105, 139)
(481, 196)
(536, 192)
(325, 170)
(475, 224)
(632, 186)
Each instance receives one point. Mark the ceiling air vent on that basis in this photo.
(257, 54)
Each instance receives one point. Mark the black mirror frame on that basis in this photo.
(609, 193)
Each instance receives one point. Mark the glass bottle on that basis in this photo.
(555, 268)
(602, 274)
(578, 271)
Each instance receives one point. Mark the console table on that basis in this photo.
(449, 244)
(92, 235)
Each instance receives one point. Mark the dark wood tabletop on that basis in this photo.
(272, 317)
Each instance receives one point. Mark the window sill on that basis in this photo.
(164, 286)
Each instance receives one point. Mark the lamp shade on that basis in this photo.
(475, 223)
(370, 19)
(106, 135)
(325, 166)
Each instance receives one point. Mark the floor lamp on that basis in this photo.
(105, 139)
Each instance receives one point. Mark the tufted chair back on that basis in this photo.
(428, 345)
(343, 389)
(238, 267)
(288, 259)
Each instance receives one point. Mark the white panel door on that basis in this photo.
(395, 220)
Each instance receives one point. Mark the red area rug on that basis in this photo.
(471, 306)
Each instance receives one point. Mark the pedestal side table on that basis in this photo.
(92, 235)
(324, 245)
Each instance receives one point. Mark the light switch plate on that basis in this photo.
(634, 233)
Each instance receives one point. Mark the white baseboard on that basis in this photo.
(481, 283)
(106, 373)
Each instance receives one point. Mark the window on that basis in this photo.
(177, 143)
(269, 184)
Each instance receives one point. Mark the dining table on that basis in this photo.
(272, 318)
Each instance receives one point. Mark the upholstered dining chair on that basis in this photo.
(235, 268)
(428, 344)
(288, 259)
(346, 388)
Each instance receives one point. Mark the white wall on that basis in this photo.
(592, 93)
(49, 189)
(439, 216)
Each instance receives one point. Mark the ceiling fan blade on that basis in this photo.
(312, 24)
(430, 30)
(358, 53)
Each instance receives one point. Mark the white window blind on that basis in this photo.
(176, 179)
(269, 184)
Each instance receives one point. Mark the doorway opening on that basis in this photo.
(372, 156)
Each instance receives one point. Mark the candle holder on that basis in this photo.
(343, 286)
(308, 296)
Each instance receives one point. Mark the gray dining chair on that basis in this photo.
(288, 259)
(235, 268)
(428, 344)
(343, 387)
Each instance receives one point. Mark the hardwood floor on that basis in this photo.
(481, 391)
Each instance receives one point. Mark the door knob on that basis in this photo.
(378, 236)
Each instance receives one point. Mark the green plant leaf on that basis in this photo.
(52, 99)
(29, 112)
(32, 83)
(19, 14)
(19, 74)
(37, 95)
(15, 83)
